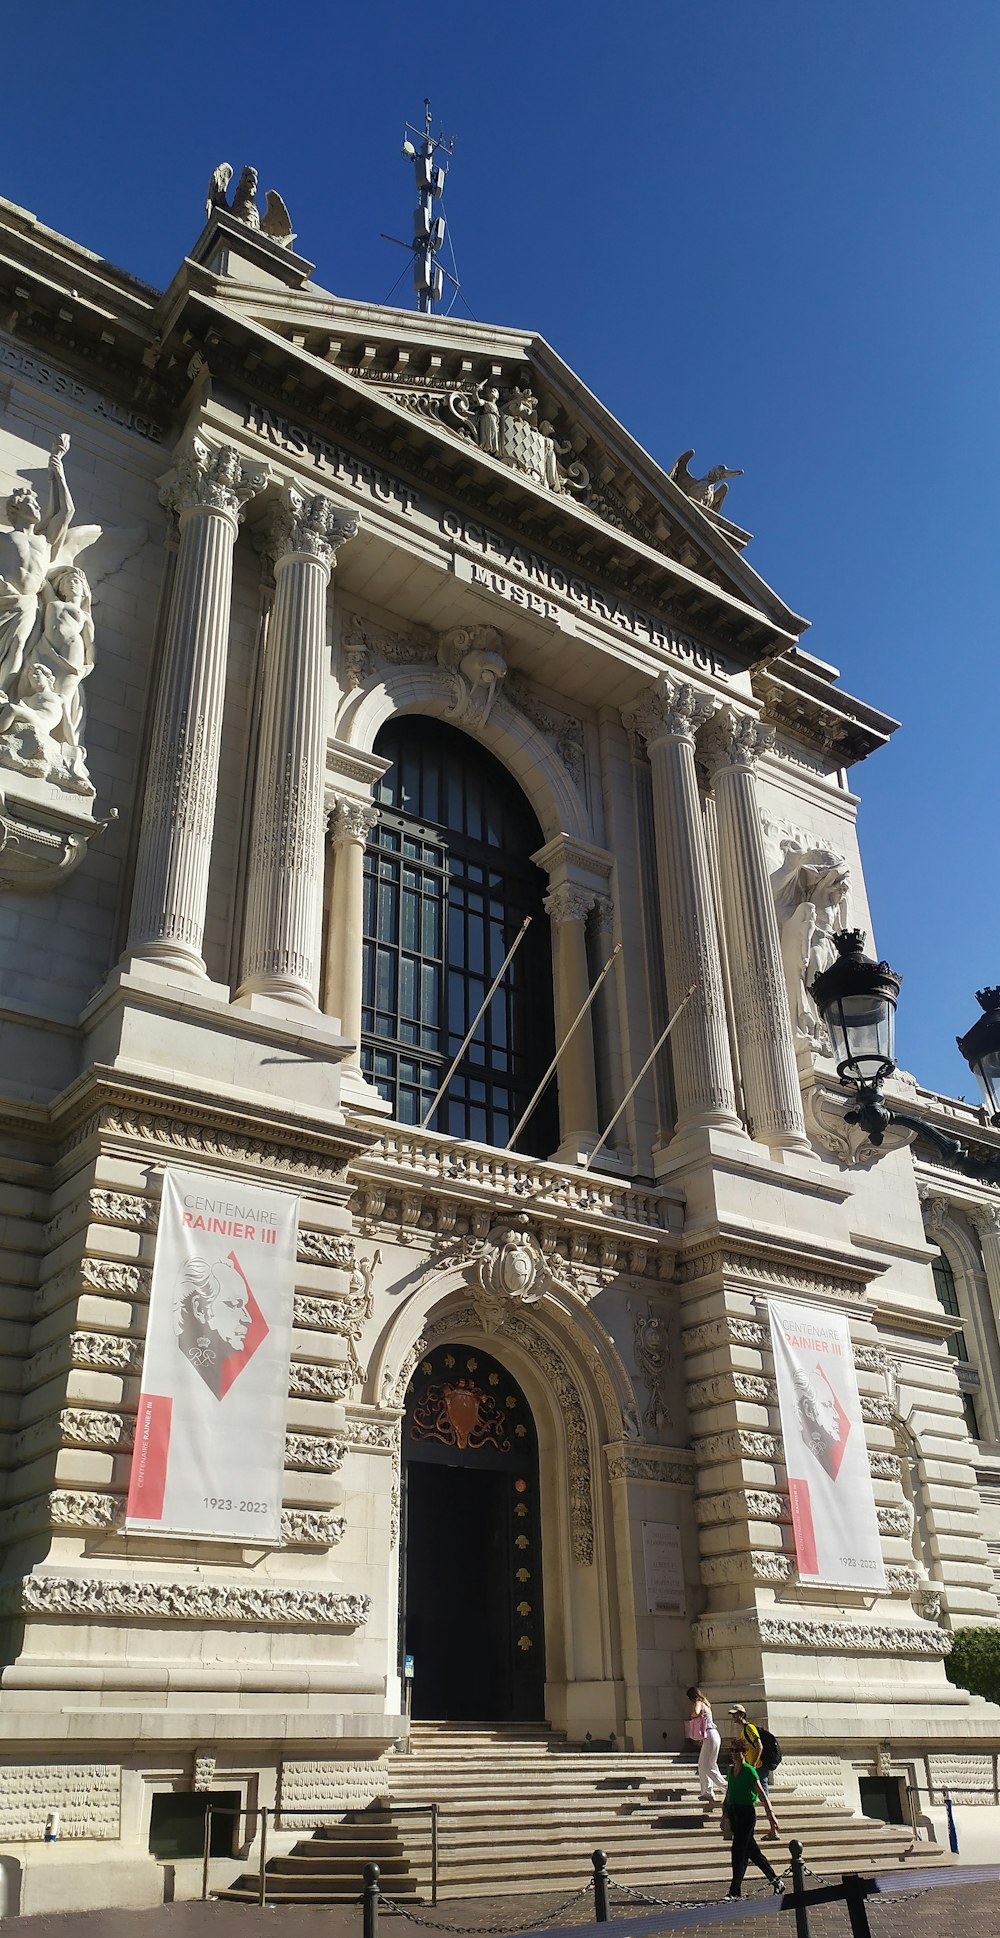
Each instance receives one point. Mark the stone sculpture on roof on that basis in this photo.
(275, 223)
(711, 490)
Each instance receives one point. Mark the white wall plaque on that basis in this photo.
(664, 1565)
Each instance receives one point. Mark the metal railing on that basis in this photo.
(944, 1797)
(279, 1813)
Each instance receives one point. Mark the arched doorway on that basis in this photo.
(471, 1588)
(448, 881)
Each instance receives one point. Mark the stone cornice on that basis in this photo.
(650, 1466)
(787, 1631)
(159, 1119)
(129, 1599)
(796, 1267)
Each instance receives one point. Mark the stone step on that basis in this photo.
(520, 1815)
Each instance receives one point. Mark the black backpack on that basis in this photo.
(770, 1755)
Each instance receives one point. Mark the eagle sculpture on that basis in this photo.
(710, 490)
(275, 223)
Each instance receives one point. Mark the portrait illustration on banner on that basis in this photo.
(219, 1323)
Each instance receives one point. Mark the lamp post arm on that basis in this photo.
(985, 1170)
(874, 1116)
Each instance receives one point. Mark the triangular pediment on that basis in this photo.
(494, 414)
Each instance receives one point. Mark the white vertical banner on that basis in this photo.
(210, 1431)
(837, 1540)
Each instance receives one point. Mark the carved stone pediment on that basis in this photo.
(509, 414)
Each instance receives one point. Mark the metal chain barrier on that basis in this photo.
(677, 1904)
(488, 1931)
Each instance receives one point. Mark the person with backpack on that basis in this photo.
(763, 1750)
(700, 1728)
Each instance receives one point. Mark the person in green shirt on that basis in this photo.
(743, 1793)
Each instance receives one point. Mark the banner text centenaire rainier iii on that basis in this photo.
(210, 1432)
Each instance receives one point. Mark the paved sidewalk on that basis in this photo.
(968, 1904)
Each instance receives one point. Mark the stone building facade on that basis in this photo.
(351, 635)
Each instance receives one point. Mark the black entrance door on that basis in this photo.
(471, 1602)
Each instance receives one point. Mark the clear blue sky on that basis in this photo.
(761, 228)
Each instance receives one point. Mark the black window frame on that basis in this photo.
(442, 905)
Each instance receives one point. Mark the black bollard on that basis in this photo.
(798, 1890)
(857, 1910)
(370, 1898)
(601, 1880)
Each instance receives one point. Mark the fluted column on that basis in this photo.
(281, 937)
(986, 1219)
(208, 490)
(567, 907)
(730, 745)
(351, 823)
(666, 719)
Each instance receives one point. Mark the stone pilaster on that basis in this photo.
(986, 1219)
(351, 822)
(567, 906)
(667, 719)
(281, 942)
(730, 745)
(207, 490)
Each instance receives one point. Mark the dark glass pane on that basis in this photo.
(944, 1285)
(487, 834)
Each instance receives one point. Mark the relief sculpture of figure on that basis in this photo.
(47, 628)
(27, 553)
(29, 724)
(810, 893)
(489, 420)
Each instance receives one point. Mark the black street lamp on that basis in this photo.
(981, 1049)
(856, 998)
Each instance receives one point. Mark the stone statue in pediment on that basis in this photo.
(711, 490)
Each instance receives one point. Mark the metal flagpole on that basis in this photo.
(630, 1093)
(574, 1026)
(491, 992)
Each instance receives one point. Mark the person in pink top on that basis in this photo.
(701, 1729)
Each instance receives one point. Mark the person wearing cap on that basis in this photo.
(749, 1736)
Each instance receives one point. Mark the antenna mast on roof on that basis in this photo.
(430, 155)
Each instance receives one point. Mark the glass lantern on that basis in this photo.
(981, 1050)
(856, 998)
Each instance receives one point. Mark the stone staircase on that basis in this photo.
(521, 1809)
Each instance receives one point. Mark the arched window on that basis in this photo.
(944, 1286)
(448, 882)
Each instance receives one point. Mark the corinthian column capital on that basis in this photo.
(670, 710)
(211, 477)
(352, 820)
(985, 1218)
(569, 902)
(733, 739)
(309, 525)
